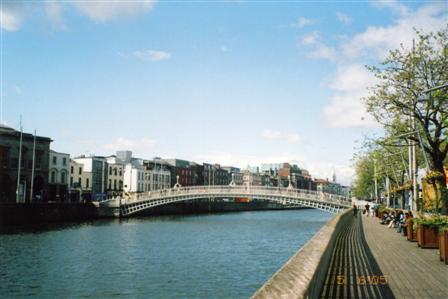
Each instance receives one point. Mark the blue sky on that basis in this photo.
(233, 82)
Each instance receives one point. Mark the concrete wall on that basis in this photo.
(303, 275)
(18, 214)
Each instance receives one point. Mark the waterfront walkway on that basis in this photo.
(353, 271)
(412, 272)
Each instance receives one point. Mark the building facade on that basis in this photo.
(59, 176)
(9, 165)
(115, 176)
(94, 177)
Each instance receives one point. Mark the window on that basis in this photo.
(71, 181)
(120, 172)
(115, 184)
(62, 177)
(80, 170)
(110, 170)
(110, 184)
(79, 182)
(55, 160)
(71, 169)
(115, 171)
(87, 183)
(64, 161)
(53, 176)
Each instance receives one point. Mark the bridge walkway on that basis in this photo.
(413, 272)
(353, 271)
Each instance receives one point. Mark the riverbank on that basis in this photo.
(17, 214)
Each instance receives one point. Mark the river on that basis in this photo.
(226, 255)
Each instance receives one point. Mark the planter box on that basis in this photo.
(427, 237)
(443, 246)
(411, 234)
(404, 231)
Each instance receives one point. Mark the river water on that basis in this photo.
(194, 256)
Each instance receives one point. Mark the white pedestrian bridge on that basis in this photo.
(131, 204)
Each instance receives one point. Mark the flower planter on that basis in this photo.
(443, 246)
(412, 236)
(427, 236)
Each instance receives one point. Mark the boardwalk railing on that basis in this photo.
(287, 196)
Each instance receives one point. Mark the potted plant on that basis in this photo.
(427, 235)
(443, 243)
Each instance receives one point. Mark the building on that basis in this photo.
(160, 173)
(252, 179)
(235, 174)
(76, 179)
(58, 176)
(328, 187)
(93, 178)
(145, 175)
(115, 175)
(182, 170)
(9, 165)
(136, 178)
(300, 178)
(270, 168)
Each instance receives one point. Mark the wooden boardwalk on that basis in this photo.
(412, 272)
(353, 271)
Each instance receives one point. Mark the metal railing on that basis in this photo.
(288, 195)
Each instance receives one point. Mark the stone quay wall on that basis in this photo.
(303, 274)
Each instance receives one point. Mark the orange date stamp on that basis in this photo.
(364, 279)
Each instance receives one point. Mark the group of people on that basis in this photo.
(397, 219)
(393, 219)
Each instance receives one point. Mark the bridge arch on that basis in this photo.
(326, 202)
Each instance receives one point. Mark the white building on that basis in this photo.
(76, 171)
(94, 176)
(58, 176)
(59, 168)
(136, 178)
(115, 174)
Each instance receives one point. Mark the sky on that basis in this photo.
(232, 82)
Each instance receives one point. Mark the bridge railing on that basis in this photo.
(222, 191)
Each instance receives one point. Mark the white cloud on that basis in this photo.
(345, 108)
(152, 55)
(284, 136)
(10, 19)
(396, 6)
(322, 51)
(351, 80)
(378, 40)
(54, 12)
(310, 39)
(302, 22)
(223, 48)
(103, 11)
(343, 18)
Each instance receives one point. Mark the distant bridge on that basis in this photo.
(132, 204)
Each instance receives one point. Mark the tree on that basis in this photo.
(400, 95)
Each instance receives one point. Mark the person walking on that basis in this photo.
(355, 210)
(367, 209)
